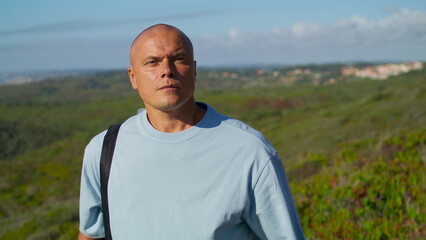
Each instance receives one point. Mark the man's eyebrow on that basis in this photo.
(178, 52)
(151, 57)
(181, 52)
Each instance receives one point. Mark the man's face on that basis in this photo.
(163, 70)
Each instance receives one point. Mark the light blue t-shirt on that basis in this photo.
(219, 179)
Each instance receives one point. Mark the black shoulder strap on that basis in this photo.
(105, 167)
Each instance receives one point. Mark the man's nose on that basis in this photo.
(168, 69)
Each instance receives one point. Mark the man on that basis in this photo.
(180, 169)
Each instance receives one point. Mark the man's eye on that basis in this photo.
(150, 62)
(181, 59)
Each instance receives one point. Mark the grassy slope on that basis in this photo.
(354, 153)
(302, 119)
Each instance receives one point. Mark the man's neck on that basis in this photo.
(175, 120)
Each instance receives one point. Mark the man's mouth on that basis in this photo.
(169, 87)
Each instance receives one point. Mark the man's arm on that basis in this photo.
(90, 207)
(273, 214)
(81, 236)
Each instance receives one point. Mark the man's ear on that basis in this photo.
(132, 78)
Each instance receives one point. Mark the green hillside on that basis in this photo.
(355, 153)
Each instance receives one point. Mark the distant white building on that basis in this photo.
(382, 71)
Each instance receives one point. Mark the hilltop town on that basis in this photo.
(382, 72)
(313, 74)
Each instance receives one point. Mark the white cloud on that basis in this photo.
(305, 28)
(402, 35)
(233, 33)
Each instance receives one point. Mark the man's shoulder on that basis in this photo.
(96, 142)
(242, 127)
(243, 132)
(234, 125)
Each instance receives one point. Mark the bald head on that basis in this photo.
(155, 31)
(163, 71)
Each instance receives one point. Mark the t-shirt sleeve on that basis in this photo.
(91, 217)
(272, 213)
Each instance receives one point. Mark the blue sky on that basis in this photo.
(95, 34)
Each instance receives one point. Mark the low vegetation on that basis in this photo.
(354, 152)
